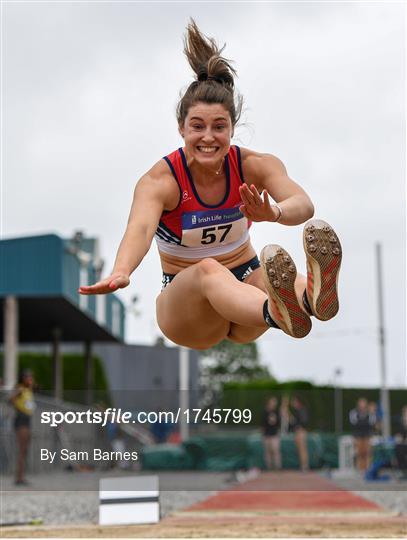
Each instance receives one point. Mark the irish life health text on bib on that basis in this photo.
(213, 227)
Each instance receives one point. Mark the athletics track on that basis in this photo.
(291, 503)
(275, 504)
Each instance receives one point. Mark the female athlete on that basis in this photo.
(199, 202)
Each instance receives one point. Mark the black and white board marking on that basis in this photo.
(129, 500)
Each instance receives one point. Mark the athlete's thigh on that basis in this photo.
(185, 316)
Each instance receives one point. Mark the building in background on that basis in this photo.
(41, 309)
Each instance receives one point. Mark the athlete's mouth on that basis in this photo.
(207, 149)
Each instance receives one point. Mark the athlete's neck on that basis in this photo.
(205, 175)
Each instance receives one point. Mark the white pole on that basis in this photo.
(338, 402)
(10, 341)
(384, 392)
(184, 391)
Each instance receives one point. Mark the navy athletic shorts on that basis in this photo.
(240, 272)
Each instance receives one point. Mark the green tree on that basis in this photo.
(229, 362)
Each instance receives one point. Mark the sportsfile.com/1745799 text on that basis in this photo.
(113, 415)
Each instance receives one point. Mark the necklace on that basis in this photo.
(220, 168)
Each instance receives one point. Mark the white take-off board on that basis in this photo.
(129, 500)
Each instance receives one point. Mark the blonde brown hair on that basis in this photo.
(214, 76)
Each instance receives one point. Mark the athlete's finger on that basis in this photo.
(251, 214)
(101, 289)
(119, 283)
(245, 202)
(95, 291)
(94, 287)
(257, 199)
(250, 189)
(266, 199)
(244, 211)
(243, 195)
(250, 192)
(247, 195)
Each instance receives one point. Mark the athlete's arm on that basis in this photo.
(14, 395)
(156, 191)
(266, 173)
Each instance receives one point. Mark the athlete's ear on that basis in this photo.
(181, 131)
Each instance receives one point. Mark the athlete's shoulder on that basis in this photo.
(172, 156)
(160, 183)
(261, 168)
(261, 162)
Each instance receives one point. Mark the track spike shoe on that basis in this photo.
(324, 255)
(279, 273)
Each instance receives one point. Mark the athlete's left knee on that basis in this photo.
(209, 266)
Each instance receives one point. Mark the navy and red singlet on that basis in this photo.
(194, 230)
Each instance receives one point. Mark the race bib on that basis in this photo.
(213, 227)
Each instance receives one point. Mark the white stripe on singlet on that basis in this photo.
(199, 252)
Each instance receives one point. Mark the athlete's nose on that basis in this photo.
(208, 136)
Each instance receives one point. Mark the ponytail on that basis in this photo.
(214, 74)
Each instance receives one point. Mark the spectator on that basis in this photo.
(298, 423)
(401, 443)
(363, 421)
(271, 432)
(22, 400)
(375, 411)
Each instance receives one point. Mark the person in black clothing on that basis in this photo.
(363, 421)
(298, 420)
(271, 432)
(401, 443)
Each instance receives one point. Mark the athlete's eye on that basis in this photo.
(220, 127)
(197, 126)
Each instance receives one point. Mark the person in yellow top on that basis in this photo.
(22, 400)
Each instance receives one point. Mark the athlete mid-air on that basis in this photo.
(199, 202)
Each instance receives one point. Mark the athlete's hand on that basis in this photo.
(110, 284)
(256, 207)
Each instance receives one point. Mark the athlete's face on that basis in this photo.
(207, 132)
